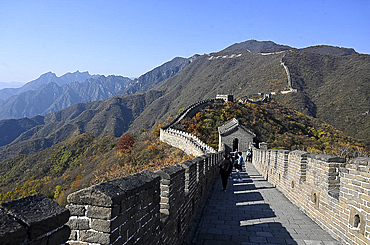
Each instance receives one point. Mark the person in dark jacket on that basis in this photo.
(226, 167)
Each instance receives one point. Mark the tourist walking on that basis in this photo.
(249, 155)
(226, 167)
(239, 166)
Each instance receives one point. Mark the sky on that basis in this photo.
(130, 38)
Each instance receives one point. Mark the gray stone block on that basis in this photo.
(78, 223)
(104, 194)
(76, 210)
(11, 232)
(39, 213)
(95, 237)
(98, 237)
(60, 236)
(102, 212)
(110, 193)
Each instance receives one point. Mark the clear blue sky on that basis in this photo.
(131, 37)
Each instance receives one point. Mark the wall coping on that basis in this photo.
(111, 192)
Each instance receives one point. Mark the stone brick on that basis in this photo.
(73, 236)
(102, 225)
(60, 236)
(76, 210)
(39, 213)
(95, 237)
(102, 212)
(11, 230)
(78, 223)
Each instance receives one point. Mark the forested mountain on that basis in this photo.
(112, 116)
(331, 84)
(83, 160)
(239, 72)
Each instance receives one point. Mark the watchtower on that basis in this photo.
(225, 97)
(234, 136)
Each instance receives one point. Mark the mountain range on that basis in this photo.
(50, 93)
(331, 83)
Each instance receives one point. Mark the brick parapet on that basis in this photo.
(33, 220)
(187, 142)
(144, 208)
(333, 192)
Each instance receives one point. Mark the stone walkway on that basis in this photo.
(254, 212)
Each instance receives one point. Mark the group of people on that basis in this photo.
(226, 165)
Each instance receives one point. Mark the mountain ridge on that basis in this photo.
(44, 79)
(52, 97)
(236, 71)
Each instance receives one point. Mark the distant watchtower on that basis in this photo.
(234, 136)
(226, 98)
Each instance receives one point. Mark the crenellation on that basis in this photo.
(328, 189)
(34, 220)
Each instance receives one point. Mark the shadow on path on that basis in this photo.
(254, 212)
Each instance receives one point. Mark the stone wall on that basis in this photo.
(333, 192)
(189, 143)
(33, 220)
(144, 208)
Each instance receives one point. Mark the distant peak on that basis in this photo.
(48, 74)
(330, 50)
(259, 46)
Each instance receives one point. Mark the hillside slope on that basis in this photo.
(336, 84)
(112, 117)
(152, 78)
(239, 72)
(332, 83)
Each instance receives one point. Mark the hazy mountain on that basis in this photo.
(112, 116)
(51, 96)
(50, 93)
(48, 77)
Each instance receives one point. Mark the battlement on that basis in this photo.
(333, 192)
(145, 208)
(189, 143)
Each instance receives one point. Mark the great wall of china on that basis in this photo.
(159, 207)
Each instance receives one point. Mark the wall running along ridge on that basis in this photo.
(332, 192)
(189, 143)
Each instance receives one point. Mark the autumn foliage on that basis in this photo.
(279, 126)
(83, 161)
(125, 143)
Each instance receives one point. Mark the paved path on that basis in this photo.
(254, 212)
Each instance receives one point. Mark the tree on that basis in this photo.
(126, 142)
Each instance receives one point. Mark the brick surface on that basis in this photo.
(255, 212)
